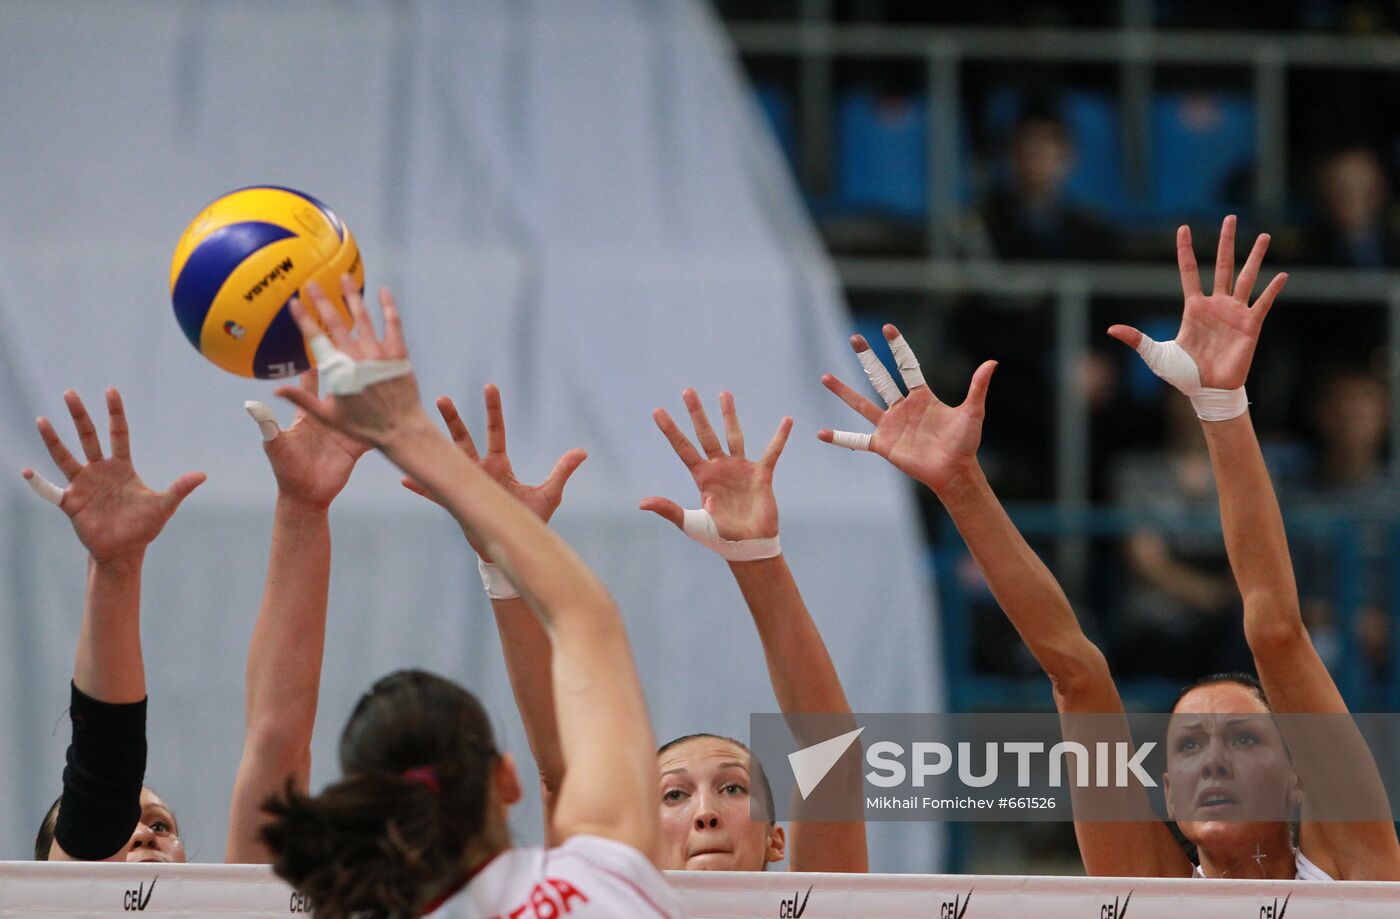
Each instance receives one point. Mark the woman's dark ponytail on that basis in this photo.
(418, 758)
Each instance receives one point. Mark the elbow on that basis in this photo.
(279, 747)
(1080, 675)
(1273, 621)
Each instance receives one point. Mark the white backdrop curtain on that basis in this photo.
(575, 201)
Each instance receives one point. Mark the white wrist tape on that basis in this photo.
(267, 424)
(700, 526)
(907, 362)
(497, 583)
(344, 375)
(1170, 361)
(45, 489)
(851, 440)
(879, 377)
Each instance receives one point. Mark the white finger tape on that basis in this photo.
(700, 526)
(498, 584)
(267, 424)
(907, 362)
(851, 440)
(1172, 363)
(45, 489)
(345, 376)
(879, 377)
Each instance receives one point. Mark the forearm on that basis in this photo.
(525, 645)
(799, 667)
(1255, 540)
(1023, 586)
(285, 655)
(108, 666)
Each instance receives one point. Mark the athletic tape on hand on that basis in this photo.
(45, 489)
(1170, 361)
(907, 362)
(880, 377)
(700, 526)
(345, 376)
(267, 424)
(498, 584)
(851, 440)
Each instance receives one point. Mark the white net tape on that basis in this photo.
(79, 891)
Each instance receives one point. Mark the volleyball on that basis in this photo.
(238, 264)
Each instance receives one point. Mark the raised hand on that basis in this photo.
(923, 437)
(735, 490)
(113, 512)
(381, 410)
(542, 499)
(311, 462)
(1218, 331)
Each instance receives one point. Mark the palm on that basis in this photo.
(312, 462)
(112, 511)
(928, 440)
(1220, 332)
(738, 493)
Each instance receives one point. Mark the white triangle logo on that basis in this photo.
(811, 764)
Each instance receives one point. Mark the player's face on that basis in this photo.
(1229, 780)
(156, 838)
(705, 820)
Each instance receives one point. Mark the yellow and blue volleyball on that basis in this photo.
(241, 261)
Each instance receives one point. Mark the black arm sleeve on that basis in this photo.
(102, 782)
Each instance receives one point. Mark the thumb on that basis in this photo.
(564, 468)
(267, 423)
(1126, 334)
(977, 389)
(412, 485)
(180, 489)
(665, 508)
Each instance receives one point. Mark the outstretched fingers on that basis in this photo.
(495, 420)
(1225, 257)
(394, 346)
(57, 451)
(709, 440)
(683, 447)
(664, 507)
(1126, 334)
(364, 324)
(43, 487)
(732, 432)
(564, 467)
(775, 446)
(87, 431)
(331, 320)
(1266, 299)
(875, 370)
(180, 489)
(118, 433)
(904, 359)
(977, 389)
(456, 427)
(1244, 287)
(1186, 263)
(855, 400)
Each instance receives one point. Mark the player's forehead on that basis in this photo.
(703, 755)
(1219, 699)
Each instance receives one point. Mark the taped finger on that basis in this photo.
(851, 440)
(267, 423)
(879, 376)
(44, 488)
(907, 362)
(346, 376)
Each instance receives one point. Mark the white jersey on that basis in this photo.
(587, 877)
(1303, 869)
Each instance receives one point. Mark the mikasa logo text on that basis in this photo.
(277, 271)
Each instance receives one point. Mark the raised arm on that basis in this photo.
(311, 464)
(610, 784)
(739, 520)
(1209, 361)
(524, 641)
(115, 516)
(936, 444)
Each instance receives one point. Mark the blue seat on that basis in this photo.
(1097, 180)
(881, 153)
(1201, 142)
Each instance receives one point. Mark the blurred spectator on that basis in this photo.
(1350, 415)
(1352, 230)
(1030, 218)
(1182, 610)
